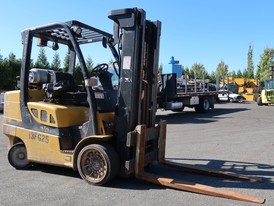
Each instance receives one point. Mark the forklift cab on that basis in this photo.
(72, 88)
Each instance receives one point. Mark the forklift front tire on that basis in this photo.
(98, 163)
(17, 156)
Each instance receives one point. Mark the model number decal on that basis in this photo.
(39, 137)
(99, 95)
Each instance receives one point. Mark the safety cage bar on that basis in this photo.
(57, 32)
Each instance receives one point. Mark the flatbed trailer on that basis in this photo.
(174, 96)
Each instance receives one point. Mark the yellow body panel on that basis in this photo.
(240, 81)
(58, 115)
(12, 106)
(252, 82)
(249, 90)
(41, 147)
(45, 148)
(250, 97)
(241, 89)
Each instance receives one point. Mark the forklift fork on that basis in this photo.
(141, 174)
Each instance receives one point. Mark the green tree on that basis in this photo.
(183, 70)
(221, 70)
(233, 74)
(78, 76)
(266, 60)
(4, 74)
(56, 62)
(160, 70)
(14, 64)
(198, 70)
(245, 74)
(66, 62)
(250, 65)
(9, 69)
(212, 77)
(186, 71)
(89, 63)
(239, 74)
(42, 61)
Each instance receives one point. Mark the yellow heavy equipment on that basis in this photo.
(100, 131)
(248, 88)
(267, 95)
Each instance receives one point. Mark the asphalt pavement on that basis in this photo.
(234, 137)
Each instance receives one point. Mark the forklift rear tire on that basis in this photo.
(17, 156)
(98, 163)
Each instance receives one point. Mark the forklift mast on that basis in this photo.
(138, 42)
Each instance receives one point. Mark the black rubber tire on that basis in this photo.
(98, 163)
(203, 106)
(18, 157)
(259, 101)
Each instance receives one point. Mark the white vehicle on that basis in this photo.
(230, 97)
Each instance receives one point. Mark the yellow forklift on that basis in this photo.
(100, 131)
(267, 94)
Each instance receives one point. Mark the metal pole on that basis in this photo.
(195, 83)
(203, 75)
(186, 83)
(217, 83)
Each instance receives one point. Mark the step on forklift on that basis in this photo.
(100, 131)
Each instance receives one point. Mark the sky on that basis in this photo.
(193, 31)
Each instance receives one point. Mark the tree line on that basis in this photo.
(262, 72)
(10, 68)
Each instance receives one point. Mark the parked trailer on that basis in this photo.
(176, 94)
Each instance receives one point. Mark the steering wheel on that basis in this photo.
(99, 68)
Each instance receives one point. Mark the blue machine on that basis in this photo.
(173, 67)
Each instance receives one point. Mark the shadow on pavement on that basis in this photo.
(259, 170)
(54, 170)
(264, 171)
(191, 117)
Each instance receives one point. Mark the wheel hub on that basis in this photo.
(95, 165)
(21, 156)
